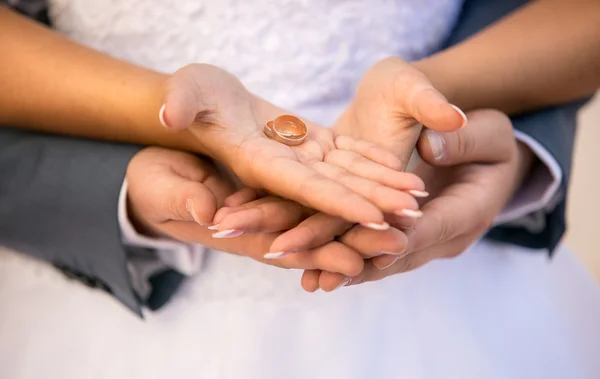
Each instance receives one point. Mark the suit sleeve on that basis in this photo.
(58, 203)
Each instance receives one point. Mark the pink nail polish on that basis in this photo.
(375, 226)
(409, 213)
(161, 116)
(229, 233)
(417, 193)
(277, 255)
(462, 114)
(214, 227)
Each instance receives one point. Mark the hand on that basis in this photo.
(393, 100)
(175, 194)
(353, 179)
(477, 169)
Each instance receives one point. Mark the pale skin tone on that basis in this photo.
(86, 105)
(474, 179)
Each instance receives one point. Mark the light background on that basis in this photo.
(584, 195)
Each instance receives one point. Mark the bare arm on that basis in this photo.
(51, 84)
(545, 53)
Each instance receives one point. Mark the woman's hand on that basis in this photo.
(176, 194)
(392, 102)
(341, 176)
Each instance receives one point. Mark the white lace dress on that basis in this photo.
(494, 312)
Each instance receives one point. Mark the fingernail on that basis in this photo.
(229, 233)
(417, 193)
(462, 114)
(375, 226)
(389, 264)
(399, 254)
(214, 227)
(189, 205)
(409, 213)
(277, 255)
(161, 116)
(344, 283)
(437, 143)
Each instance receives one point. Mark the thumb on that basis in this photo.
(186, 98)
(179, 199)
(420, 100)
(488, 138)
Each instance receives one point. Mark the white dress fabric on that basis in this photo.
(494, 312)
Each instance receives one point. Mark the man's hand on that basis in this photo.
(175, 194)
(472, 174)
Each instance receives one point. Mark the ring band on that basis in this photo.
(286, 129)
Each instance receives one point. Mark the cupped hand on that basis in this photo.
(175, 194)
(393, 101)
(472, 174)
(339, 175)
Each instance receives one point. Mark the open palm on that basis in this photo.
(339, 175)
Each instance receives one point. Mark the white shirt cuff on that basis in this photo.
(540, 190)
(183, 257)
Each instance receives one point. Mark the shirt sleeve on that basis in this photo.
(184, 257)
(540, 190)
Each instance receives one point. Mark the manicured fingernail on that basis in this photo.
(462, 114)
(409, 213)
(214, 227)
(417, 193)
(375, 226)
(277, 255)
(161, 116)
(344, 283)
(437, 143)
(189, 205)
(229, 233)
(392, 261)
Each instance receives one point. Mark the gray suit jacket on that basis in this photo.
(58, 195)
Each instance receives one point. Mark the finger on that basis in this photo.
(369, 150)
(487, 138)
(245, 195)
(227, 210)
(310, 280)
(362, 167)
(422, 101)
(370, 243)
(269, 216)
(315, 231)
(331, 281)
(295, 181)
(401, 222)
(333, 257)
(166, 195)
(186, 100)
(385, 198)
(463, 207)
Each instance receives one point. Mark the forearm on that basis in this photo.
(51, 84)
(543, 54)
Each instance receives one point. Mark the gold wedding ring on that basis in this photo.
(286, 129)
